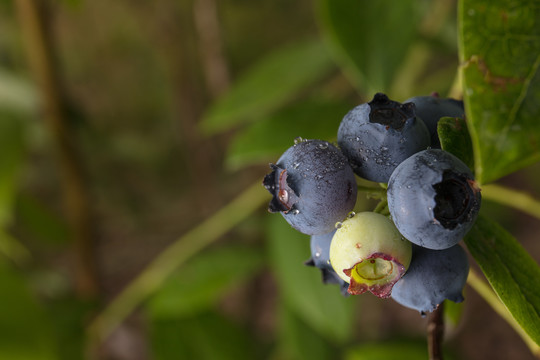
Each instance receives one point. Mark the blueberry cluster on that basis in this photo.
(407, 248)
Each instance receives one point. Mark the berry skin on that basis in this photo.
(320, 258)
(369, 253)
(312, 186)
(432, 108)
(433, 199)
(377, 136)
(433, 276)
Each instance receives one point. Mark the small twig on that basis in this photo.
(216, 69)
(163, 265)
(75, 196)
(381, 206)
(435, 333)
(371, 192)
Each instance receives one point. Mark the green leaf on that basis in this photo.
(265, 140)
(500, 50)
(70, 316)
(12, 149)
(25, 332)
(511, 271)
(201, 282)
(40, 222)
(206, 337)
(269, 85)
(370, 39)
(455, 139)
(298, 341)
(17, 94)
(321, 306)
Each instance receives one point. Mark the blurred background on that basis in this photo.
(134, 136)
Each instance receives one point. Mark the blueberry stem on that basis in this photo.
(381, 206)
(435, 330)
(371, 192)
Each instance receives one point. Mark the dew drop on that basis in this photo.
(295, 165)
(317, 254)
(323, 146)
(351, 215)
(338, 225)
(298, 140)
(296, 212)
(384, 148)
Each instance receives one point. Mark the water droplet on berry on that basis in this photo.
(298, 140)
(351, 215)
(295, 165)
(323, 146)
(338, 225)
(296, 212)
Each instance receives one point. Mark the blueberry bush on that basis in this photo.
(396, 145)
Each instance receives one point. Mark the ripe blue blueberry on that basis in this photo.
(377, 136)
(433, 276)
(320, 258)
(313, 186)
(432, 108)
(433, 199)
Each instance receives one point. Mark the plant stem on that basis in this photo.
(483, 289)
(216, 69)
(40, 50)
(435, 330)
(371, 192)
(171, 258)
(381, 206)
(513, 198)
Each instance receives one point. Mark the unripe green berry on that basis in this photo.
(370, 254)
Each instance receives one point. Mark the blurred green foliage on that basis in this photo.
(161, 154)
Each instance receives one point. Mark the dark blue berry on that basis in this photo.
(313, 186)
(432, 108)
(377, 136)
(433, 199)
(320, 258)
(433, 276)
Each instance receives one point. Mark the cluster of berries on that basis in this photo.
(407, 248)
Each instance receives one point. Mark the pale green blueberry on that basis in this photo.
(369, 253)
